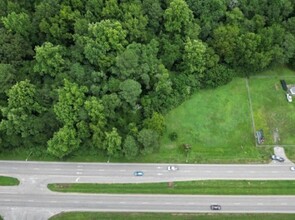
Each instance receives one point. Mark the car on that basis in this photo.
(292, 168)
(138, 173)
(172, 168)
(275, 157)
(215, 207)
(289, 97)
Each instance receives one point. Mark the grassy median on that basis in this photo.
(211, 187)
(168, 216)
(8, 181)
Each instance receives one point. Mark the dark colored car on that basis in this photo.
(215, 207)
(284, 85)
(275, 157)
(138, 173)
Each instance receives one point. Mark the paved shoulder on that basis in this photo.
(280, 151)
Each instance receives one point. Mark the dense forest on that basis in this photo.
(98, 75)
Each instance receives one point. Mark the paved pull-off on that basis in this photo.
(32, 200)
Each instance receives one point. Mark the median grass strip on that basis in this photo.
(8, 181)
(211, 187)
(168, 216)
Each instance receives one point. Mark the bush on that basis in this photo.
(173, 136)
(217, 76)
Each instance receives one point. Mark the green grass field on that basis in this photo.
(167, 216)
(217, 123)
(271, 109)
(212, 187)
(8, 181)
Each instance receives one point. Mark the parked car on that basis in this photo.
(138, 173)
(292, 168)
(215, 207)
(275, 157)
(289, 97)
(172, 168)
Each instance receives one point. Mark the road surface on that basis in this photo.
(32, 200)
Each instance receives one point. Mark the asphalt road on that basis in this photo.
(32, 200)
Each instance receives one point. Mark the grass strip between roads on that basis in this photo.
(170, 216)
(8, 181)
(213, 187)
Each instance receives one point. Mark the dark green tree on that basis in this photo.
(21, 116)
(149, 140)
(103, 42)
(63, 142)
(49, 59)
(112, 143)
(130, 147)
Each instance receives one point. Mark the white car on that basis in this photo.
(292, 168)
(172, 168)
(289, 97)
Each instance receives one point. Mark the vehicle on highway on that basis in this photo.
(215, 207)
(292, 168)
(138, 173)
(277, 158)
(172, 168)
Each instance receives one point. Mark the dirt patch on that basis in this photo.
(276, 136)
(62, 185)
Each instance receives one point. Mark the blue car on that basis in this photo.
(138, 173)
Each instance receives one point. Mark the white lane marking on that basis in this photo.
(159, 167)
(191, 203)
(208, 171)
(186, 171)
(31, 200)
(36, 168)
(122, 202)
(78, 173)
(237, 203)
(167, 203)
(252, 171)
(274, 171)
(57, 169)
(229, 171)
(259, 203)
(122, 170)
(100, 169)
(159, 174)
(14, 168)
(77, 179)
(283, 203)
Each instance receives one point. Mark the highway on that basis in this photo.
(32, 200)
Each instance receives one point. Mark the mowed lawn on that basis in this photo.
(270, 107)
(217, 125)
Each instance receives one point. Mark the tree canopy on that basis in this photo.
(100, 75)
